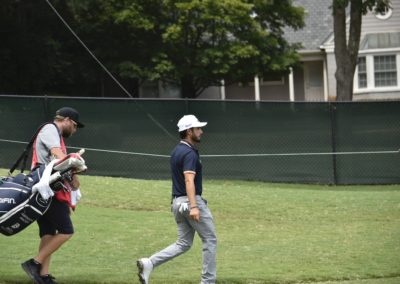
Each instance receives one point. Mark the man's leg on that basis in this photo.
(206, 230)
(185, 237)
(48, 245)
(184, 242)
(55, 228)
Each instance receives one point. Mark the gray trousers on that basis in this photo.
(186, 230)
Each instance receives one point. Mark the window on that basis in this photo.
(381, 40)
(384, 15)
(378, 66)
(362, 73)
(379, 73)
(385, 72)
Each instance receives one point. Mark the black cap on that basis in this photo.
(72, 113)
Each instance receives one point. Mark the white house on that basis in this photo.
(377, 76)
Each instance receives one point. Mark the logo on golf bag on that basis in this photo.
(7, 200)
(15, 226)
(42, 202)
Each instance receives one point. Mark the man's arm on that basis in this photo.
(191, 194)
(59, 154)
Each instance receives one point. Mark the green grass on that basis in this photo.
(267, 233)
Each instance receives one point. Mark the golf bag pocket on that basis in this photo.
(19, 206)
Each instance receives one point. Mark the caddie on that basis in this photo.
(55, 226)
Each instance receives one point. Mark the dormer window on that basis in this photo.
(381, 40)
(384, 15)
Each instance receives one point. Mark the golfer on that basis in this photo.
(189, 208)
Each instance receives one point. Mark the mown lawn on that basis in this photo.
(267, 233)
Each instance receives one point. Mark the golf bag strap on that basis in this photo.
(24, 156)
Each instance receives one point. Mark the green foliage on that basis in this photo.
(366, 6)
(375, 5)
(194, 44)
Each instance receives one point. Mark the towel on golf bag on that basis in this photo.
(19, 205)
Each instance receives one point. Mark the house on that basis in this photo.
(377, 76)
(378, 72)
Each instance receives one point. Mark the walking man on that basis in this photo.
(55, 226)
(189, 208)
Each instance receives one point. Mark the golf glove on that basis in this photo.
(183, 207)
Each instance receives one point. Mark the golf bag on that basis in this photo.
(25, 198)
(23, 201)
(19, 206)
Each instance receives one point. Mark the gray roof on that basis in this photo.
(318, 24)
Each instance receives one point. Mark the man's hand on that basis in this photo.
(74, 182)
(195, 213)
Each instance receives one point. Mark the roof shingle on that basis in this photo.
(318, 27)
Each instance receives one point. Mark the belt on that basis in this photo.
(178, 196)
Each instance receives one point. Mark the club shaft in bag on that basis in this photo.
(57, 176)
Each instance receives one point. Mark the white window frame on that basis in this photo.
(386, 15)
(369, 61)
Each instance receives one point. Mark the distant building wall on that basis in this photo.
(371, 24)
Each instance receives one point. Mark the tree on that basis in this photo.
(27, 47)
(38, 55)
(347, 46)
(197, 43)
(125, 44)
(193, 44)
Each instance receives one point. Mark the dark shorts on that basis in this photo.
(56, 220)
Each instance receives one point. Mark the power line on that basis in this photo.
(108, 72)
(88, 50)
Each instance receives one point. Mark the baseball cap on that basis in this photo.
(72, 113)
(189, 121)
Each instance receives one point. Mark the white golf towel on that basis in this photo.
(43, 186)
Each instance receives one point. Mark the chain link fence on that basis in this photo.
(327, 143)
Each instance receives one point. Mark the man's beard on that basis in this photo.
(195, 139)
(66, 134)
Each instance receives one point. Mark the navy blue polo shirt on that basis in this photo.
(185, 158)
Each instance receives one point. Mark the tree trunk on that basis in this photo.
(346, 51)
(188, 89)
(344, 83)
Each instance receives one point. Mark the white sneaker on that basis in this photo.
(145, 267)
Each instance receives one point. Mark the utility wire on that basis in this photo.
(226, 155)
(108, 72)
(88, 50)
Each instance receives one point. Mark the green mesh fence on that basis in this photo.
(329, 143)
